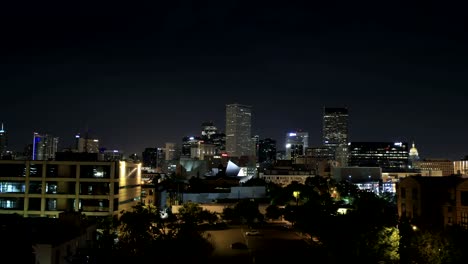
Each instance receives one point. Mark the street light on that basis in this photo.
(296, 195)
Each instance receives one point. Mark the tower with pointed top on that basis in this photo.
(3, 141)
(413, 155)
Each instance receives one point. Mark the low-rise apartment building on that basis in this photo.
(46, 188)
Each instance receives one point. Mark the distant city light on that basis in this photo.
(292, 134)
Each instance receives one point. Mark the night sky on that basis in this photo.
(140, 76)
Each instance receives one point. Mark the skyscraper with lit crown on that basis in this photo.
(238, 130)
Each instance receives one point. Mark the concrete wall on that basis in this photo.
(218, 208)
(236, 193)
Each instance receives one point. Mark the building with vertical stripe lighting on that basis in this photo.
(238, 130)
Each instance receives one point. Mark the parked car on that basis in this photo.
(239, 245)
(253, 233)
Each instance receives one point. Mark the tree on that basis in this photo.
(319, 184)
(273, 212)
(190, 214)
(347, 190)
(16, 239)
(381, 246)
(430, 246)
(248, 210)
(138, 229)
(229, 214)
(457, 237)
(210, 217)
(107, 233)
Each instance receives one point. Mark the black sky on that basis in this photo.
(141, 75)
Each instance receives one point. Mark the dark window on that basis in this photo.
(414, 194)
(403, 193)
(464, 198)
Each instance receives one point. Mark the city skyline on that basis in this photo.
(140, 76)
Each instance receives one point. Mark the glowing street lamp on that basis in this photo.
(296, 195)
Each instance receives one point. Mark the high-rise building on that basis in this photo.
(208, 129)
(86, 144)
(171, 151)
(335, 132)
(238, 130)
(153, 157)
(188, 143)
(255, 140)
(44, 147)
(296, 144)
(3, 142)
(267, 150)
(211, 135)
(390, 156)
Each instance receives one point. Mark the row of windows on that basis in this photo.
(55, 171)
(53, 187)
(52, 204)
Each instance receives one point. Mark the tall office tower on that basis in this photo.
(211, 135)
(296, 144)
(187, 144)
(335, 132)
(86, 144)
(267, 150)
(3, 142)
(238, 129)
(255, 141)
(150, 157)
(390, 156)
(208, 129)
(44, 146)
(171, 151)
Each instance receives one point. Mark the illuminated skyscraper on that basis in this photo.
(267, 150)
(208, 129)
(3, 141)
(296, 144)
(211, 135)
(335, 132)
(390, 156)
(44, 147)
(238, 130)
(86, 144)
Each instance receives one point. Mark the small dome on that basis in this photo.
(413, 151)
